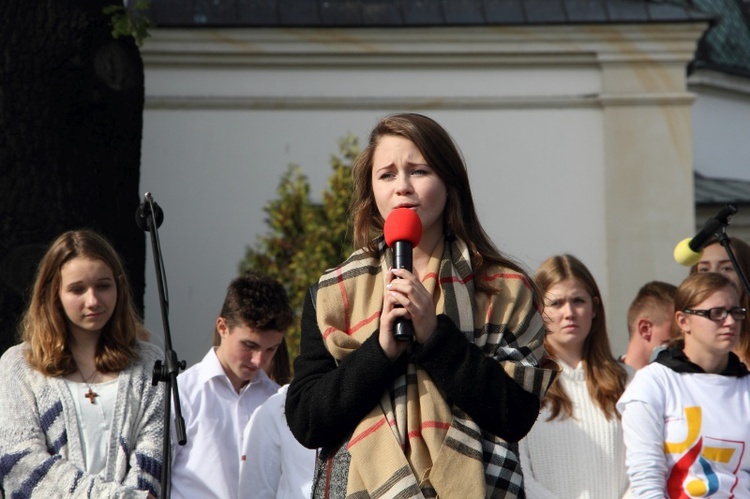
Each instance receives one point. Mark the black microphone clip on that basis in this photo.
(149, 214)
(711, 227)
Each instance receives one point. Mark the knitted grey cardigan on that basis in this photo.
(41, 451)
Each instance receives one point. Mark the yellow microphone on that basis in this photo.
(684, 255)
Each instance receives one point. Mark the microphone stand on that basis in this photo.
(149, 217)
(725, 241)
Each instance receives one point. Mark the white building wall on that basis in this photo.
(570, 135)
(722, 120)
(721, 116)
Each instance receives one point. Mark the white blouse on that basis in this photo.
(582, 457)
(94, 420)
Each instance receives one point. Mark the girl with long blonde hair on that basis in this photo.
(575, 449)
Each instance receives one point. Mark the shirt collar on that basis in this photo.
(211, 368)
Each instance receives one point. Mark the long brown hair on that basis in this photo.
(442, 155)
(741, 252)
(279, 369)
(44, 328)
(605, 378)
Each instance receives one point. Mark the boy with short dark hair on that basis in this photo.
(221, 392)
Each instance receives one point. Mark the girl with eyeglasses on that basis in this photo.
(716, 259)
(685, 415)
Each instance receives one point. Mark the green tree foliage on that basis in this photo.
(129, 19)
(306, 238)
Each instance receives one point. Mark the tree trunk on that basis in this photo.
(71, 116)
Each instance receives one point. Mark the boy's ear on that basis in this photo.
(221, 327)
(644, 328)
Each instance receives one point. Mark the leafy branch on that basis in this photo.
(305, 237)
(130, 20)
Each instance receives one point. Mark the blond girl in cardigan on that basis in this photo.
(80, 416)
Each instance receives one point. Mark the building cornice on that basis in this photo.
(424, 46)
(705, 79)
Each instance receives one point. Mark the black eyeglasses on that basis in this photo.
(720, 313)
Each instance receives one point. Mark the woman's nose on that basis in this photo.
(403, 185)
(729, 320)
(91, 298)
(568, 310)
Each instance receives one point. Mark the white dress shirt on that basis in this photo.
(208, 465)
(275, 465)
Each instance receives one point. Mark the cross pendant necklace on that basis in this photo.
(91, 394)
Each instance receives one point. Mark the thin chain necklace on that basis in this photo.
(91, 394)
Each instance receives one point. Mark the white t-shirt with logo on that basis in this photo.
(687, 434)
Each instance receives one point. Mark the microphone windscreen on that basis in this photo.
(402, 224)
(686, 256)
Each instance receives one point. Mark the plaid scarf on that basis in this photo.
(423, 446)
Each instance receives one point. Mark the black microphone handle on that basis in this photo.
(711, 227)
(403, 329)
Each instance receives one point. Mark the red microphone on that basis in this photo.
(402, 231)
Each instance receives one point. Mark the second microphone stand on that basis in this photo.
(149, 217)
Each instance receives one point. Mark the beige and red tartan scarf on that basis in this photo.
(413, 444)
